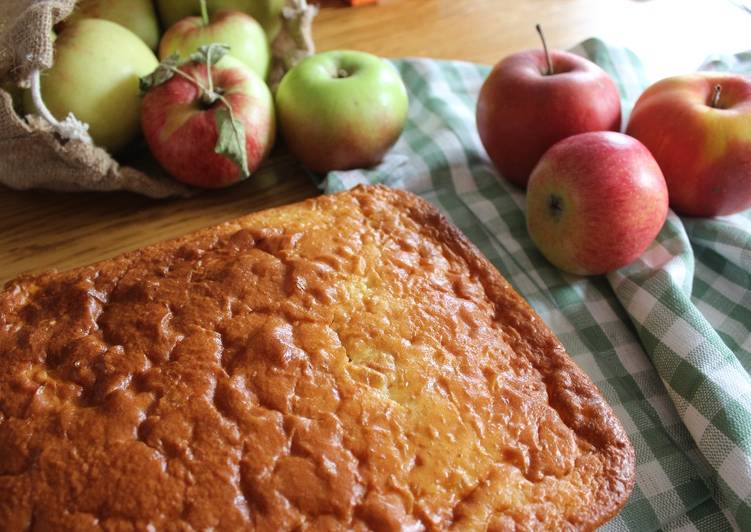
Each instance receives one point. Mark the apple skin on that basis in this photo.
(239, 31)
(341, 109)
(595, 202)
(139, 16)
(521, 111)
(704, 152)
(266, 12)
(95, 76)
(182, 133)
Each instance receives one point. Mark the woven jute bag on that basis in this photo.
(33, 154)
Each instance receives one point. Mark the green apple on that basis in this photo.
(171, 11)
(138, 16)
(97, 68)
(243, 35)
(341, 109)
(266, 12)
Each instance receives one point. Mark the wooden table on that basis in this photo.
(40, 230)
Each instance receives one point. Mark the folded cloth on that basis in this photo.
(667, 338)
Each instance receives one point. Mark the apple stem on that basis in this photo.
(204, 13)
(208, 96)
(716, 96)
(189, 78)
(208, 68)
(538, 27)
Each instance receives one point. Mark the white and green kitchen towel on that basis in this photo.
(667, 339)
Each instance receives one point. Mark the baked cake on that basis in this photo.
(350, 362)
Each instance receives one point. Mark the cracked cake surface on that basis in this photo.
(350, 362)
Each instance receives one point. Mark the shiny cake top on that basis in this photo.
(349, 362)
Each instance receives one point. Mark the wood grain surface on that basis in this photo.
(43, 230)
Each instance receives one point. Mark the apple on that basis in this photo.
(138, 16)
(341, 109)
(239, 31)
(266, 12)
(184, 131)
(95, 76)
(698, 127)
(171, 11)
(533, 99)
(595, 201)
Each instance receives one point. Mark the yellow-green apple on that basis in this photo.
(595, 201)
(266, 12)
(244, 36)
(208, 126)
(96, 77)
(698, 127)
(341, 109)
(533, 99)
(138, 16)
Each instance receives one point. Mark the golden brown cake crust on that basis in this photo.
(351, 362)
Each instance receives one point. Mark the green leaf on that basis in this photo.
(231, 141)
(163, 73)
(210, 54)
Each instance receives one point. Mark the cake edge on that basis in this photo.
(608, 432)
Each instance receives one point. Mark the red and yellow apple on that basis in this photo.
(182, 129)
(701, 138)
(244, 36)
(138, 16)
(341, 109)
(595, 201)
(95, 76)
(523, 109)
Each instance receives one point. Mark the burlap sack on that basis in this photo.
(32, 155)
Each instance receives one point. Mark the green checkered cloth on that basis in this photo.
(667, 338)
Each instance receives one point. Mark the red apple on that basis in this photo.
(523, 108)
(702, 142)
(595, 201)
(194, 138)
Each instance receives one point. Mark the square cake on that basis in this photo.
(350, 362)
